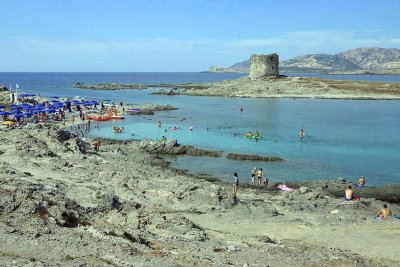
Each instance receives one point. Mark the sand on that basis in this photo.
(60, 206)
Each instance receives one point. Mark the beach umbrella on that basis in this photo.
(28, 113)
(54, 100)
(31, 95)
(87, 104)
(2, 106)
(5, 113)
(13, 105)
(26, 107)
(54, 97)
(24, 95)
(16, 112)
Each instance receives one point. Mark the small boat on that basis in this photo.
(133, 110)
(116, 117)
(96, 118)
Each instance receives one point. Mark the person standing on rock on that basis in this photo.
(253, 176)
(235, 184)
(259, 176)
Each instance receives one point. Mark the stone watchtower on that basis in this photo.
(264, 65)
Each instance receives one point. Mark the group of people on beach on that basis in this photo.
(254, 173)
(383, 214)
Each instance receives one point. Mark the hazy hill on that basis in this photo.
(360, 60)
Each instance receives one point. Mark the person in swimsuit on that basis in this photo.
(259, 176)
(361, 181)
(253, 176)
(301, 134)
(384, 213)
(235, 184)
(349, 195)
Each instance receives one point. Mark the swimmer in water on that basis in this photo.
(301, 134)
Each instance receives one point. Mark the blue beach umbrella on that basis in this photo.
(28, 113)
(5, 113)
(24, 95)
(2, 106)
(54, 97)
(16, 108)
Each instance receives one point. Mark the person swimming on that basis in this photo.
(301, 134)
(248, 134)
(257, 134)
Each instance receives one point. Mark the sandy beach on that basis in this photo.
(122, 206)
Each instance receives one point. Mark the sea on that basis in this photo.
(343, 138)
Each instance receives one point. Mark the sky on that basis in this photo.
(184, 35)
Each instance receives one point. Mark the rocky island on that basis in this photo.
(283, 87)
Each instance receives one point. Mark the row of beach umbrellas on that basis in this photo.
(40, 108)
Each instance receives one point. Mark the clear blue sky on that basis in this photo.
(122, 35)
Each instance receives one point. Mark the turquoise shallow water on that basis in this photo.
(343, 137)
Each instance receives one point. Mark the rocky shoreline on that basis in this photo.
(273, 87)
(60, 205)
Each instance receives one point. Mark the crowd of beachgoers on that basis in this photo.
(31, 109)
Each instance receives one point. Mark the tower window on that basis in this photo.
(272, 67)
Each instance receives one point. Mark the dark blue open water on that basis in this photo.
(345, 138)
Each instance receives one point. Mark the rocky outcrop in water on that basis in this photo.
(235, 156)
(171, 148)
(173, 91)
(150, 109)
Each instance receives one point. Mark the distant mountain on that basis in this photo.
(357, 60)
